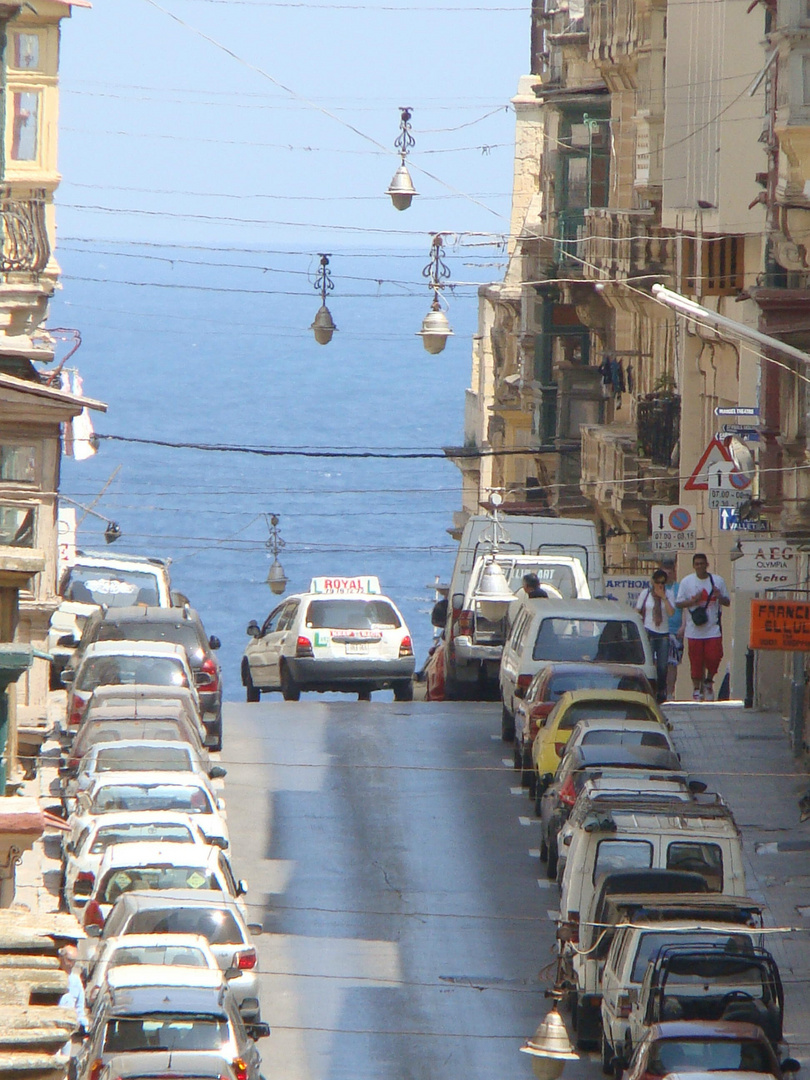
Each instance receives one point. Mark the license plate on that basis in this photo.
(354, 648)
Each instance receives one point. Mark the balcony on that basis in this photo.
(609, 461)
(626, 244)
(25, 247)
(569, 248)
(658, 423)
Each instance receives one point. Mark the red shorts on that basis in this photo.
(705, 655)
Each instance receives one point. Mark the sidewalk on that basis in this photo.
(746, 757)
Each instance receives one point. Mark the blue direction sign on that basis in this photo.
(737, 410)
(730, 522)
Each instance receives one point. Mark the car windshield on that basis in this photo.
(708, 1055)
(626, 738)
(596, 679)
(651, 941)
(347, 614)
(216, 925)
(185, 797)
(165, 1031)
(127, 670)
(175, 633)
(178, 955)
(115, 588)
(560, 575)
(164, 832)
(156, 878)
(600, 641)
(99, 731)
(157, 758)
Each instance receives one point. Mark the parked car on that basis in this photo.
(87, 844)
(342, 635)
(597, 705)
(166, 1009)
(191, 911)
(158, 867)
(621, 733)
(176, 950)
(547, 687)
(706, 1048)
(136, 696)
(556, 795)
(119, 663)
(175, 1065)
(97, 578)
(140, 755)
(550, 631)
(178, 626)
(148, 723)
(150, 792)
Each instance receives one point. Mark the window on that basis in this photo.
(17, 526)
(622, 855)
(18, 464)
(351, 614)
(113, 588)
(705, 859)
(721, 269)
(288, 615)
(26, 52)
(604, 736)
(651, 942)
(271, 622)
(601, 641)
(217, 926)
(142, 878)
(167, 1032)
(26, 124)
(594, 710)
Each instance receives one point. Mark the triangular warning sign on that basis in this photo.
(714, 453)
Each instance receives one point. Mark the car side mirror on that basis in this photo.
(255, 929)
(216, 772)
(438, 616)
(253, 629)
(217, 841)
(241, 887)
(214, 643)
(70, 847)
(697, 787)
(567, 840)
(258, 1031)
(458, 603)
(67, 676)
(67, 641)
(221, 805)
(790, 1065)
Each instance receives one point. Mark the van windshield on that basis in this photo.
(600, 641)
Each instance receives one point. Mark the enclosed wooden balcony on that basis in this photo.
(627, 244)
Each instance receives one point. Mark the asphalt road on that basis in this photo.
(390, 861)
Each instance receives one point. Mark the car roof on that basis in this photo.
(134, 941)
(144, 975)
(592, 755)
(139, 710)
(175, 898)
(105, 558)
(150, 613)
(156, 1064)
(146, 853)
(139, 690)
(617, 724)
(141, 817)
(707, 1029)
(134, 648)
(140, 744)
(575, 667)
(157, 777)
(580, 609)
(635, 697)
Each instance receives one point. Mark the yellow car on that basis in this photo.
(574, 705)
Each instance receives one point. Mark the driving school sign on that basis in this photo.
(782, 625)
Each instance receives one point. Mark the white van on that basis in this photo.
(700, 837)
(549, 631)
(516, 535)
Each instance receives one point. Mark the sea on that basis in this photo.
(211, 346)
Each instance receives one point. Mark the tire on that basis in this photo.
(538, 801)
(403, 691)
(289, 690)
(531, 784)
(252, 693)
(517, 760)
(606, 1054)
(364, 695)
(507, 725)
(217, 746)
(543, 850)
(551, 864)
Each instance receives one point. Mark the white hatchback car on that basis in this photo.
(342, 635)
(177, 950)
(139, 755)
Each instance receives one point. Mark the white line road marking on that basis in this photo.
(515, 790)
(508, 762)
(525, 820)
(534, 853)
(544, 883)
(495, 738)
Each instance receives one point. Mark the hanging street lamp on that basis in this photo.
(401, 188)
(323, 325)
(435, 327)
(276, 578)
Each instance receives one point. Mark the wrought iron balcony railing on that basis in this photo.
(25, 247)
(659, 426)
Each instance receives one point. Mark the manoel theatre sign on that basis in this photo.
(783, 625)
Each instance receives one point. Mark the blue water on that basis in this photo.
(216, 366)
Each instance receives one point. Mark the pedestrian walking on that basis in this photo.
(656, 605)
(669, 565)
(702, 595)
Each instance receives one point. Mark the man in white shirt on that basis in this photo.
(702, 595)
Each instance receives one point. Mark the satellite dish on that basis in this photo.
(741, 456)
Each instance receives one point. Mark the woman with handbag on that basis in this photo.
(656, 604)
(702, 595)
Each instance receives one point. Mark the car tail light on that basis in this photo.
(522, 685)
(75, 717)
(303, 647)
(85, 880)
(559, 747)
(245, 960)
(406, 647)
(95, 1069)
(93, 915)
(541, 709)
(568, 795)
(466, 623)
(208, 668)
(240, 1069)
(623, 1005)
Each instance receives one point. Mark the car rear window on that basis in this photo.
(600, 641)
(594, 710)
(345, 614)
(622, 855)
(626, 738)
(115, 797)
(216, 925)
(158, 878)
(165, 1032)
(165, 832)
(157, 758)
(157, 955)
(595, 680)
(127, 670)
(99, 731)
(651, 942)
(179, 633)
(700, 858)
(115, 588)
